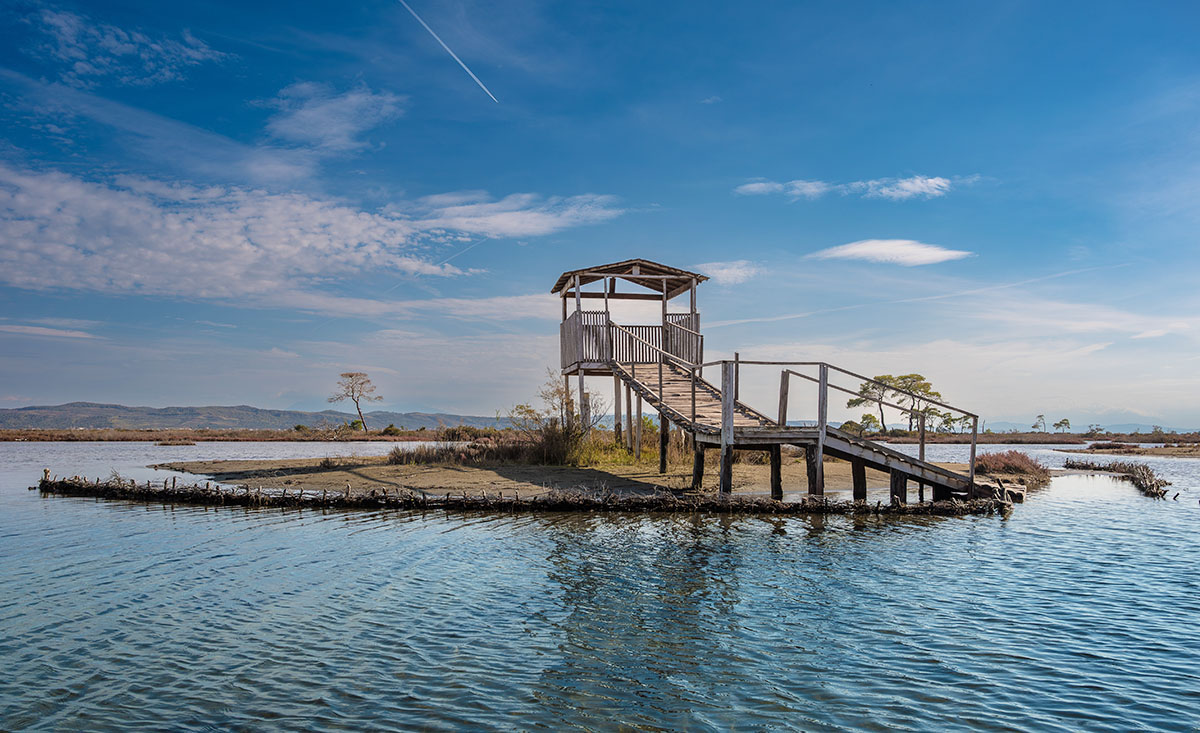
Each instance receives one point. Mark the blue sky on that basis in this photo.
(209, 203)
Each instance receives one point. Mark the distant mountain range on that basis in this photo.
(94, 415)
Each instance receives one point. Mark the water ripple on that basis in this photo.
(1078, 612)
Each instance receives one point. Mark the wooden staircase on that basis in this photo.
(698, 406)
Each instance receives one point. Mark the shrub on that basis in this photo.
(328, 462)
(1011, 461)
(391, 429)
(1110, 446)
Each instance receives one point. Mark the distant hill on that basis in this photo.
(95, 415)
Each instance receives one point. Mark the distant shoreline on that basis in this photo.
(205, 435)
(184, 436)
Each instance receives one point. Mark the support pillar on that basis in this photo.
(899, 485)
(816, 477)
(617, 409)
(941, 493)
(858, 472)
(726, 483)
(568, 409)
(664, 436)
(777, 472)
(698, 466)
(628, 417)
(637, 431)
(584, 407)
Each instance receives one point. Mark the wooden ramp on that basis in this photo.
(699, 407)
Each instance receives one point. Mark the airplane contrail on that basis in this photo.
(452, 54)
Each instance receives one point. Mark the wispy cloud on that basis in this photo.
(315, 115)
(895, 189)
(515, 215)
(453, 55)
(711, 100)
(91, 52)
(730, 273)
(900, 189)
(47, 332)
(140, 236)
(163, 141)
(905, 252)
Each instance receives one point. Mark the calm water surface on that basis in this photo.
(1081, 611)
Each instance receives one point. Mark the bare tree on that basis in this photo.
(357, 387)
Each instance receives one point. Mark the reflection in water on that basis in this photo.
(1078, 612)
(640, 596)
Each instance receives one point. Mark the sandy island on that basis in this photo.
(364, 475)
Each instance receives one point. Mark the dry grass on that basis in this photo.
(1011, 462)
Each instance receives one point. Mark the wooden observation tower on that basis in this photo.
(662, 365)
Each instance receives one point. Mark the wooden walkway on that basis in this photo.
(700, 412)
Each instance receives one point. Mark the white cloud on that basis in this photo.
(313, 114)
(895, 251)
(711, 100)
(518, 214)
(730, 273)
(140, 236)
(43, 331)
(900, 189)
(896, 189)
(759, 188)
(91, 51)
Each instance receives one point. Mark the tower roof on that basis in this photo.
(650, 275)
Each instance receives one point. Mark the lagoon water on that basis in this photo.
(1079, 611)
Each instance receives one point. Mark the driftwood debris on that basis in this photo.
(556, 500)
(1138, 474)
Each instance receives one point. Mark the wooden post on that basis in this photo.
(921, 429)
(921, 454)
(974, 438)
(628, 417)
(728, 377)
(617, 408)
(579, 315)
(737, 375)
(664, 435)
(899, 487)
(585, 409)
(569, 417)
(822, 424)
(858, 471)
(777, 472)
(637, 431)
(810, 465)
(697, 463)
(783, 397)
